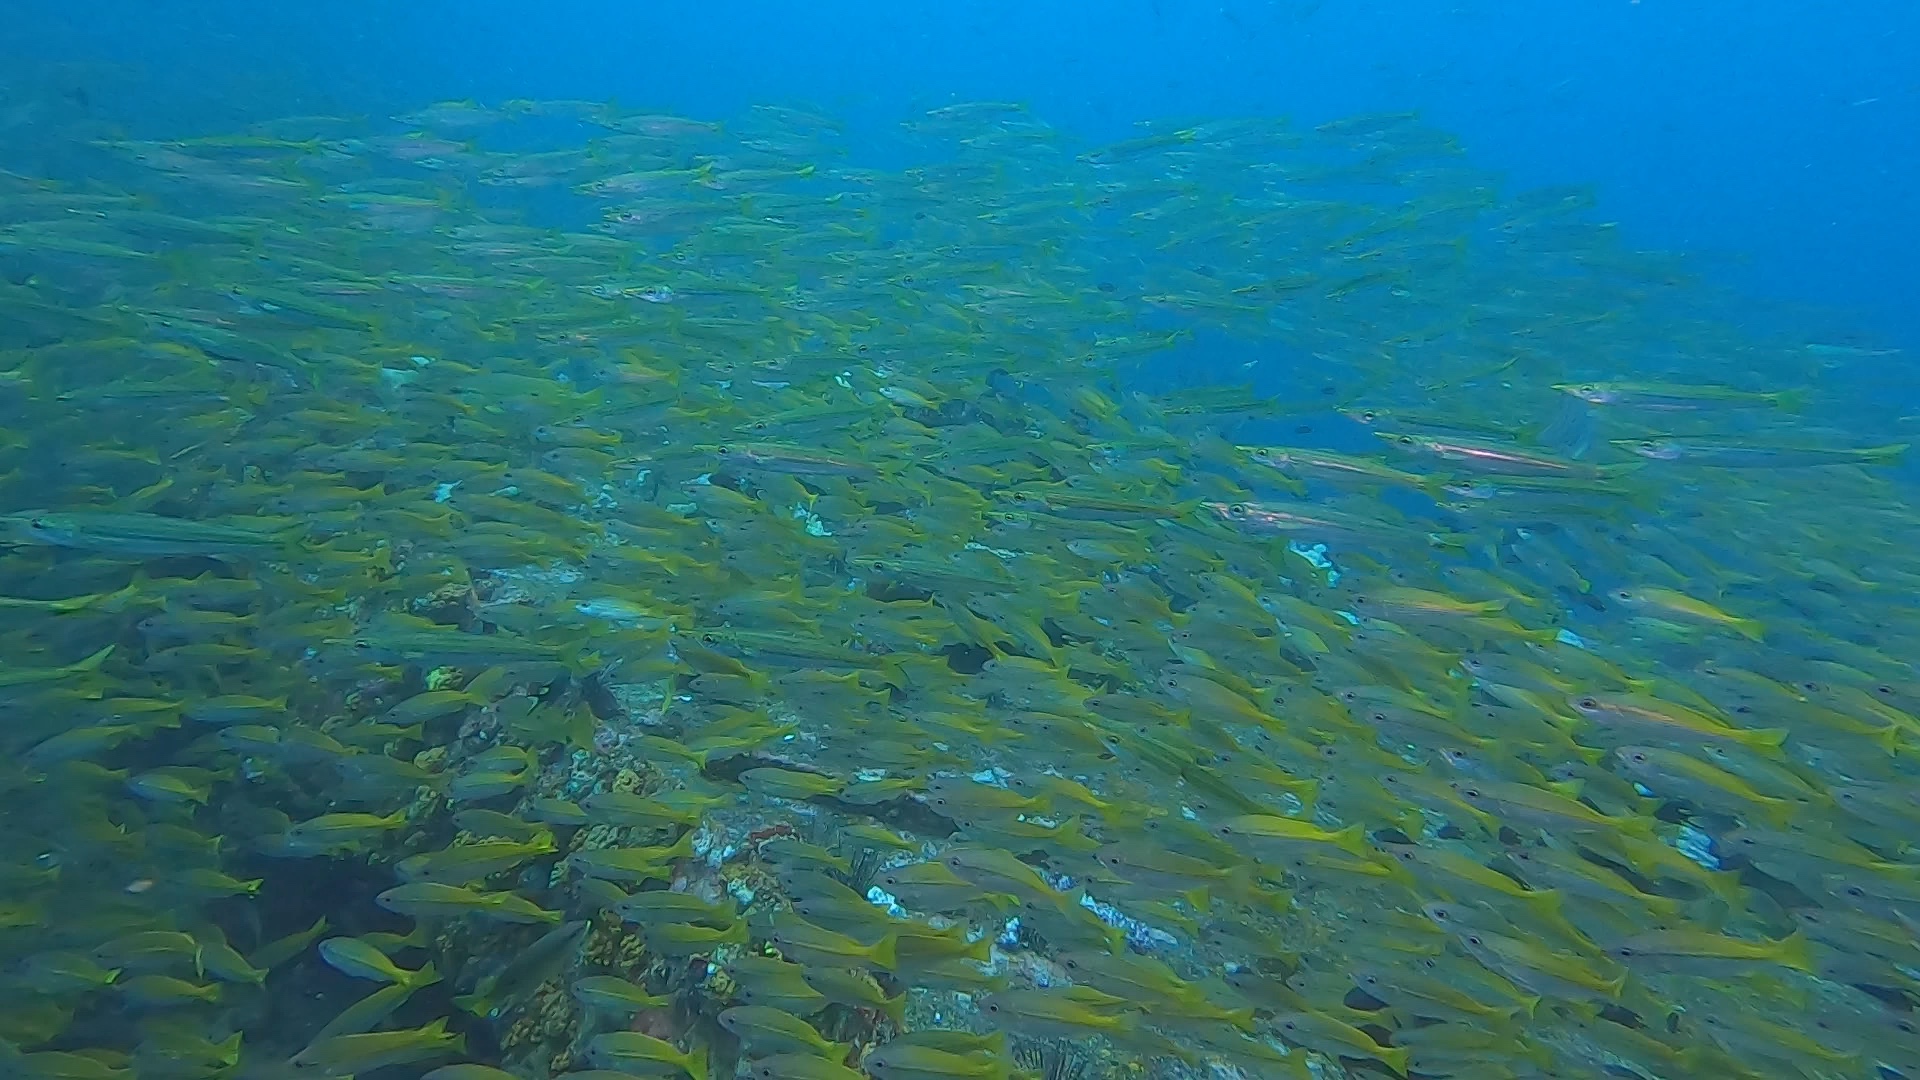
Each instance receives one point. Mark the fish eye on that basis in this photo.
(710, 638)
(1238, 509)
(39, 523)
(1474, 939)
(1406, 440)
(1624, 951)
(1470, 793)
(723, 450)
(1224, 830)
(1589, 703)
(1369, 416)
(1622, 594)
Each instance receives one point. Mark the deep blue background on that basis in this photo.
(1779, 140)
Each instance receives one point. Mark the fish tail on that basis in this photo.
(1751, 629)
(895, 1009)
(91, 663)
(681, 849)
(1765, 738)
(885, 952)
(697, 1063)
(1797, 952)
(1889, 738)
(479, 1002)
(1589, 754)
(1545, 639)
(1884, 454)
(1777, 812)
(1353, 840)
(426, 976)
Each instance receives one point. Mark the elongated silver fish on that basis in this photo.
(141, 534)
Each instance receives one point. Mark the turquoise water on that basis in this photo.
(1267, 541)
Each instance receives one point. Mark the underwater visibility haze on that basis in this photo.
(1274, 540)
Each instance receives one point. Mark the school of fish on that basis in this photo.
(555, 590)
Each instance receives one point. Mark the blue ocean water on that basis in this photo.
(1774, 141)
